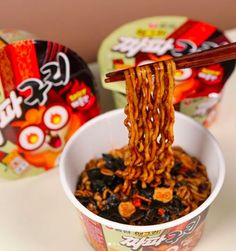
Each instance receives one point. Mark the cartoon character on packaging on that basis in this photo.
(43, 133)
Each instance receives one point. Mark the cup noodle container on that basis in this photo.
(198, 91)
(46, 93)
(106, 132)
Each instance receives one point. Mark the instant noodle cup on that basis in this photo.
(198, 91)
(106, 132)
(46, 93)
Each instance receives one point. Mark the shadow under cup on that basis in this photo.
(107, 132)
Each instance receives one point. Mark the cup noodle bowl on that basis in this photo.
(198, 91)
(106, 132)
(46, 92)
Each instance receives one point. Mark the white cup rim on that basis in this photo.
(149, 228)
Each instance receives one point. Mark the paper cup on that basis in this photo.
(106, 132)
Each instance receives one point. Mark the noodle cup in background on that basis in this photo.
(46, 92)
(106, 132)
(198, 91)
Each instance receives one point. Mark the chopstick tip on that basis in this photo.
(107, 80)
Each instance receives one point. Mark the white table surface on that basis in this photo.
(35, 214)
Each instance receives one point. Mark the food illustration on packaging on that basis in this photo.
(44, 132)
(47, 92)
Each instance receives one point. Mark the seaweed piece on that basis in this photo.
(149, 217)
(119, 164)
(84, 200)
(147, 192)
(138, 215)
(112, 214)
(94, 174)
(112, 181)
(109, 180)
(181, 183)
(98, 185)
(117, 181)
(113, 163)
(175, 206)
(191, 174)
(175, 169)
(157, 204)
(113, 201)
(97, 181)
(166, 217)
(202, 187)
(176, 202)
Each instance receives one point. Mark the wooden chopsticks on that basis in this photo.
(198, 59)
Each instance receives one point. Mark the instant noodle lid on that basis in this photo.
(46, 93)
(197, 91)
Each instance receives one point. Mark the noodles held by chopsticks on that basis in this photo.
(147, 181)
(150, 119)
